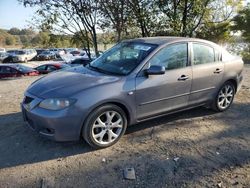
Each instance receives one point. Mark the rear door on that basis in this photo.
(207, 70)
(158, 94)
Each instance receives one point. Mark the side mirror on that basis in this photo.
(155, 70)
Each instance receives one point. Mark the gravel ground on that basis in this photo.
(196, 148)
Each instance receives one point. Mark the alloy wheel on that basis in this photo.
(225, 97)
(107, 127)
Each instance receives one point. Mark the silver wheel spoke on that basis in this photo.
(110, 116)
(221, 102)
(100, 135)
(230, 92)
(111, 135)
(99, 123)
(221, 94)
(227, 102)
(117, 124)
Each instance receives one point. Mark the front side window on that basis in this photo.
(41, 68)
(51, 68)
(203, 54)
(171, 57)
(122, 58)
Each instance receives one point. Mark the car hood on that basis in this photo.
(68, 82)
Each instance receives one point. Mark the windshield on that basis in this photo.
(20, 52)
(45, 52)
(122, 58)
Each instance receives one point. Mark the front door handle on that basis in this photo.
(183, 78)
(217, 71)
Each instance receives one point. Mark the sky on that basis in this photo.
(14, 14)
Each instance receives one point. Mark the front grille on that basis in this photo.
(28, 100)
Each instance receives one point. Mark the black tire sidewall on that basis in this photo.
(87, 127)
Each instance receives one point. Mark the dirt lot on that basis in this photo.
(210, 149)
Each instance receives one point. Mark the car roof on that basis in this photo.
(55, 64)
(167, 39)
(9, 65)
(12, 65)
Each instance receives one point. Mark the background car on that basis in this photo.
(57, 51)
(50, 67)
(11, 52)
(80, 61)
(23, 55)
(75, 53)
(2, 50)
(16, 70)
(46, 55)
(3, 55)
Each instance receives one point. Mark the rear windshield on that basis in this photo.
(20, 52)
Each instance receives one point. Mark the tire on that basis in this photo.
(224, 97)
(104, 126)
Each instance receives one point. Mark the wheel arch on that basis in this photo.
(234, 82)
(114, 102)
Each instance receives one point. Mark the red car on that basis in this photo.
(50, 67)
(16, 70)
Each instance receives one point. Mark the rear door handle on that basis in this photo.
(183, 78)
(217, 71)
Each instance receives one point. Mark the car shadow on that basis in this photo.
(20, 145)
(187, 114)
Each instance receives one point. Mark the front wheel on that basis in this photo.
(224, 97)
(105, 126)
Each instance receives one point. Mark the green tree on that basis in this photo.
(14, 31)
(241, 22)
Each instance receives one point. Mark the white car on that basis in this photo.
(24, 55)
(3, 55)
(57, 51)
(2, 50)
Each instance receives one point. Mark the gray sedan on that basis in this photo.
(134, 81)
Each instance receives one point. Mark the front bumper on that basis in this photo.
(61, 125)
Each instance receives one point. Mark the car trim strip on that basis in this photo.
(181, 95)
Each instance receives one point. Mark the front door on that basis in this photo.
(158, 94)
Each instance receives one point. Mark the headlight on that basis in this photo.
(56, 104)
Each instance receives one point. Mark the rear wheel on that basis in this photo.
(224, 97)
(105, 126)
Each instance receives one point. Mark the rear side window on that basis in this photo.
(171, 57)
(203, 54)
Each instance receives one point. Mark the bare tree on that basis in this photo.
(75, 17)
